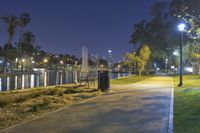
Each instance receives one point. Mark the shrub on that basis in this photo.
(4, 101)
(60, 93)
(71, 91)
(42, 105)
(34, 108)
(36, 94)
(22, 98)
(52, 92)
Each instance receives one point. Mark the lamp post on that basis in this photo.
(175, 53)
(109, 58)
(61, 64)
(45, 62)
(23, 62)
(181, 28)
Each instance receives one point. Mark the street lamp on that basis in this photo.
(109, 58)
(181, 28)
(109, 51)
(61, 62)
(175, 53)
(23, 62)
(45, 60)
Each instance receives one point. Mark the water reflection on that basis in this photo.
(0, 84)
(23, 81)
(45, 78)
(8, 83)
(32, 80)
(16, 82)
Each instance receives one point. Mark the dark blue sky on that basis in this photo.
(63, 26)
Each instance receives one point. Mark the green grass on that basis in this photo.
(128, 80)
(187, 105)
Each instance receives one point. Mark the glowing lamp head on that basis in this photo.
(109, 51)
(45, 60)
(175, 53)
(23, 60)
(61, 62)
(181, 27)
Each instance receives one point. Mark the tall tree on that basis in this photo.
(158, 32)
(12, 23)
(140, 59)
(24, 20)
(27, 43)
(189, 12)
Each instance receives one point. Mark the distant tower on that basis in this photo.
(84, 67)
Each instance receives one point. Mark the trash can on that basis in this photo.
(103, 80)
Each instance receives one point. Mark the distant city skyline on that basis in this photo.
(64, 26)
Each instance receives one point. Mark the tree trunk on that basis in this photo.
(19, 47)
(9, 43)
(19, 43)
(140, 73)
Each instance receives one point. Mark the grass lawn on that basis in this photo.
(128, 80)
(187, 105)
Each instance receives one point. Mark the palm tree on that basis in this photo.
(24, 20)
(27, 43)
(12, 23)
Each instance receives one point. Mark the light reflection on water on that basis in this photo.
(0, 85)
(47, 78)
(15, 82)
(32, 80)
(23, 81)
(8, 83)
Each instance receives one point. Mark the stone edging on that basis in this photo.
(171, 111)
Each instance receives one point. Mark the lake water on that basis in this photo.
(45, 78)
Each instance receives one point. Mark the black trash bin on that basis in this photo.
(103, 80)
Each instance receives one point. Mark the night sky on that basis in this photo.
(63, 26)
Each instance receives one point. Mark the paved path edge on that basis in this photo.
(171, 111)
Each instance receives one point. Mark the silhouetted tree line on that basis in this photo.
(161, 33)
(25, 51)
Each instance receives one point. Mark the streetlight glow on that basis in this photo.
(109, 51)
(45, 60)
(23, 60)
(175, 53)
(181, 27)
(61, 62)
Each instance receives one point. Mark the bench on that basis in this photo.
(88, 78)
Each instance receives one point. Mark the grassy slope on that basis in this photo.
(128, 80)
(17, 106)
(187, 105)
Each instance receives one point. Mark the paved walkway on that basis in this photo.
(138, 108)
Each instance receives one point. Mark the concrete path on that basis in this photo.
(137, 108)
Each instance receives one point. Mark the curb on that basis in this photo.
(171, 111)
